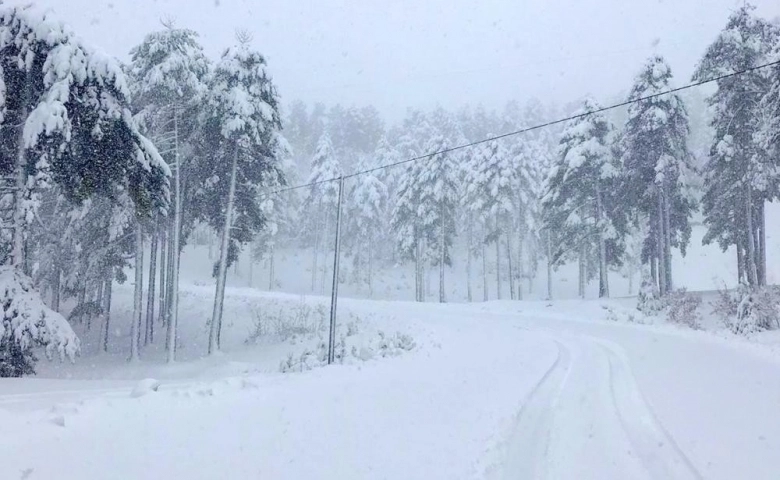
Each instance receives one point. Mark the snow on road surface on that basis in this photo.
(495, 391)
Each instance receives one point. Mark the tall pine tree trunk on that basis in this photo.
(272, 268)
(370, 266)
(761, 243)
(163, 270)
(442, 252)
(17, 252)
(250, 280)
(583, 270)
(219, 297)
(548, 242)
(485, 294)
(740, 262)
(135, 328)
(469, 240)
(56, 287)
(520, 265)
(107, 309)
(654, 269)
(659, 244)
(510, 266)
(751, 245)
(151, 291)
(498, 261)
(175, 252)
(603, 270)
(668, 244)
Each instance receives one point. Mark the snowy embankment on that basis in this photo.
(496, 390)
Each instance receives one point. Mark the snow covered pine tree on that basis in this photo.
(237, 147)
(656, 169)
(64, 122)
(169, 72)
(579, 202)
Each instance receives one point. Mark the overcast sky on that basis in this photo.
(396, 54)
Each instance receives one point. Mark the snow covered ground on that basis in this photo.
(496, 390)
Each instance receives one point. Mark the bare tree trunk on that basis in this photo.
(510, 266)
(762, 243)
(603, 269)
(654, 270)
(370, 266)
(469, 241)
(583, 272)
(548, 243)
(219, 298)
(498, 262)
(17, 252)
(175, 252)
(163, 270)
(485, 295)
(659, 244)
(152, 288)
(442, 251)
(250, 281)
(272, 268)
(751, 246)
(107, 309)
(668, 244)
(740, 262)
(135, 328)
(55, 287)
(520, 267)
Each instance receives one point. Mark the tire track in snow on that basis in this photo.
(528, 445)
(653, 445)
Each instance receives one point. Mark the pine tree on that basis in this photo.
(169, 71)
(493, 191)
(238, 141)
(367, 209)
(740, 175)
(65, 123)
(424, 216)
(656, 168)
(279, 209)
(579, 203)
(321, 200)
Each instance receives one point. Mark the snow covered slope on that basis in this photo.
(497, 390)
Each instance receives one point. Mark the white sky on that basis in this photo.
(396, 54)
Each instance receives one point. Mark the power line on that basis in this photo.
(535, 127)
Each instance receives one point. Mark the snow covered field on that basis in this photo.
(495, 390)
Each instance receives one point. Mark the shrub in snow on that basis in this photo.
(616, 314)
(759, 310)
(395, 344)
(28, 322)
(649, 300)
(727, 303)
(684, 308)
(283, 322)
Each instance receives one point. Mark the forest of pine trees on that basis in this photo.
(104, 163)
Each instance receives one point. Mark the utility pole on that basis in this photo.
(334, 292)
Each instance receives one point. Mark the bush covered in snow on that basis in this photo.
(683, 309)
(759, 310)
(726, 304)
(27, 323)
(649, 299)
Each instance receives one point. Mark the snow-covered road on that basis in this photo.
(496, 391)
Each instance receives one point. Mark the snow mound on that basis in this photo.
(144, 387)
